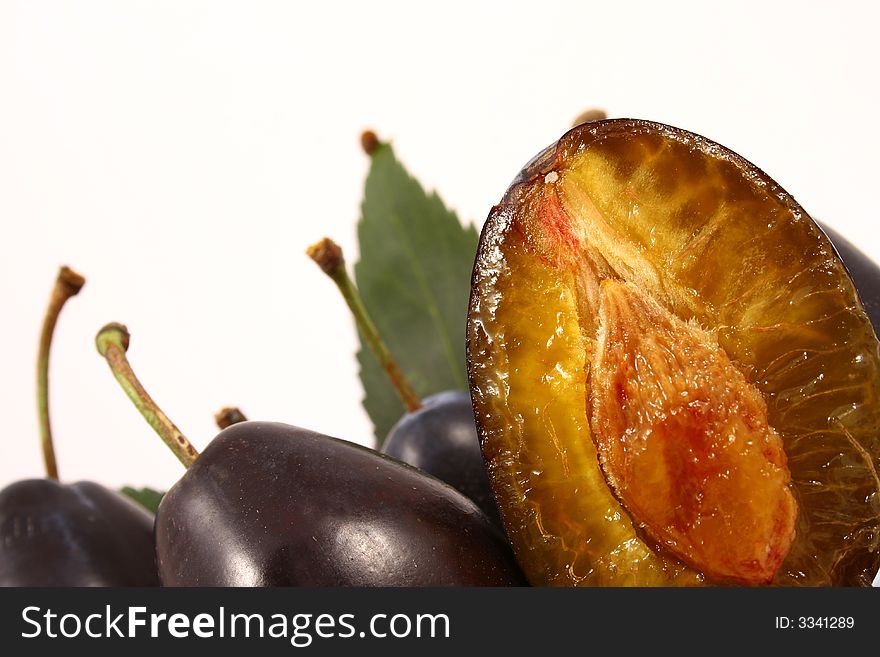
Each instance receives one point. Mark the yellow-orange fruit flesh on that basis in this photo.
(716, 246)
(566, 525)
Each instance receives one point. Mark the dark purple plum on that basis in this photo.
(80, 534)
(440, 438)
(268, 504)
(863, 271)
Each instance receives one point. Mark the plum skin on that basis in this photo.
(79, 534)
(441, 439)
(268, 504)
(864, 272)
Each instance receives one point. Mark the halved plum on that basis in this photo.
(674, 380)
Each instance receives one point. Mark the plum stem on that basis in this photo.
(589, 116)
(328, 256)
(112, 343)
(228, 416)
(67, 284)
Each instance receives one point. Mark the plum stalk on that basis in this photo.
(228, 416)
(327, 254)
(67, 284)
(112, 343)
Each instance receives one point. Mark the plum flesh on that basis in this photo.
(712, 243)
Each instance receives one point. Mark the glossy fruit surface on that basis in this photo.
(864, 273)
(78, 534)
(440, 438)
(269, 504)
(674, 379)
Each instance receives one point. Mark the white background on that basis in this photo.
(182, 155)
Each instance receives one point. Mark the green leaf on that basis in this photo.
(146, 497)
(414, 276)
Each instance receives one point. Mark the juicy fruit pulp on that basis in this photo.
(673, 377)
(268, 504)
